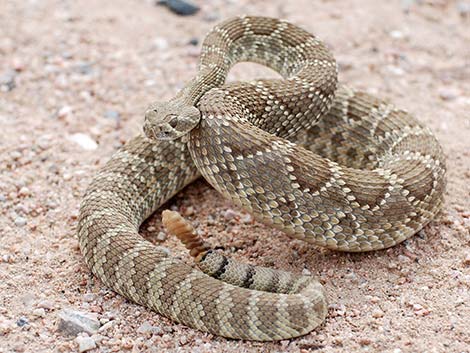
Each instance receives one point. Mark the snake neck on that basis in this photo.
(208, 78)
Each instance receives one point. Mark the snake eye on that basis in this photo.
(173, 122)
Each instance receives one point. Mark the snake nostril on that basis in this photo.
(173, 122)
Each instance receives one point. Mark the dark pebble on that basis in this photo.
(22, 321)
(180, 7)
(194, 41)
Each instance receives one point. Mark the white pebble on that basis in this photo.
(24, 191)
(248, 218)
(89, 297)
(160, 43)
(46, 304)
(39, 312)
(84, 141)
(161, 236)
(189, 211)
(20, 221)
(396, 34)
(448, 93)
(64, 111)
(377, 313)
(230, 214)
(85, 343)
(146, 327)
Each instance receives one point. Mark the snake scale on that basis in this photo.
(320, 161)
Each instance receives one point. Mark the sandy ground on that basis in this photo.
(75, 78)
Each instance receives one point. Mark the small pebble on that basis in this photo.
(146, 327)
(84, 141)
(18, 65)
(85, 68)
(396, 34)
(403, 258)
(89, 297)
(448, 94)
(230, 214)
(39, 312)
(64, 112)
(395, 70)
(248, 218)
(351, 276)
(46, 304)
(188, 211)
(365, 341)
(22, 321)
(8, 259)
(210, 220)
(107, 326)
(72, 322)
(463, 7)
(85, 343)
(20, 221)
(24, 191)
(183, 340)
(466, 260)
(193, 41)
(7, 81)
(161, 236)
(180, 7)
(160, 43)
(3, 198)
(377, 313)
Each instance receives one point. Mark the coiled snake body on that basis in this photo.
(367, 177)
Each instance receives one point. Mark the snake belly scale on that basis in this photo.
(320, 161)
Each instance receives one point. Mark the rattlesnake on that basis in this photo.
(368, 177)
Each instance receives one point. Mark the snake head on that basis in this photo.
(170, 121)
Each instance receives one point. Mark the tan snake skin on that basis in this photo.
(368, 177)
